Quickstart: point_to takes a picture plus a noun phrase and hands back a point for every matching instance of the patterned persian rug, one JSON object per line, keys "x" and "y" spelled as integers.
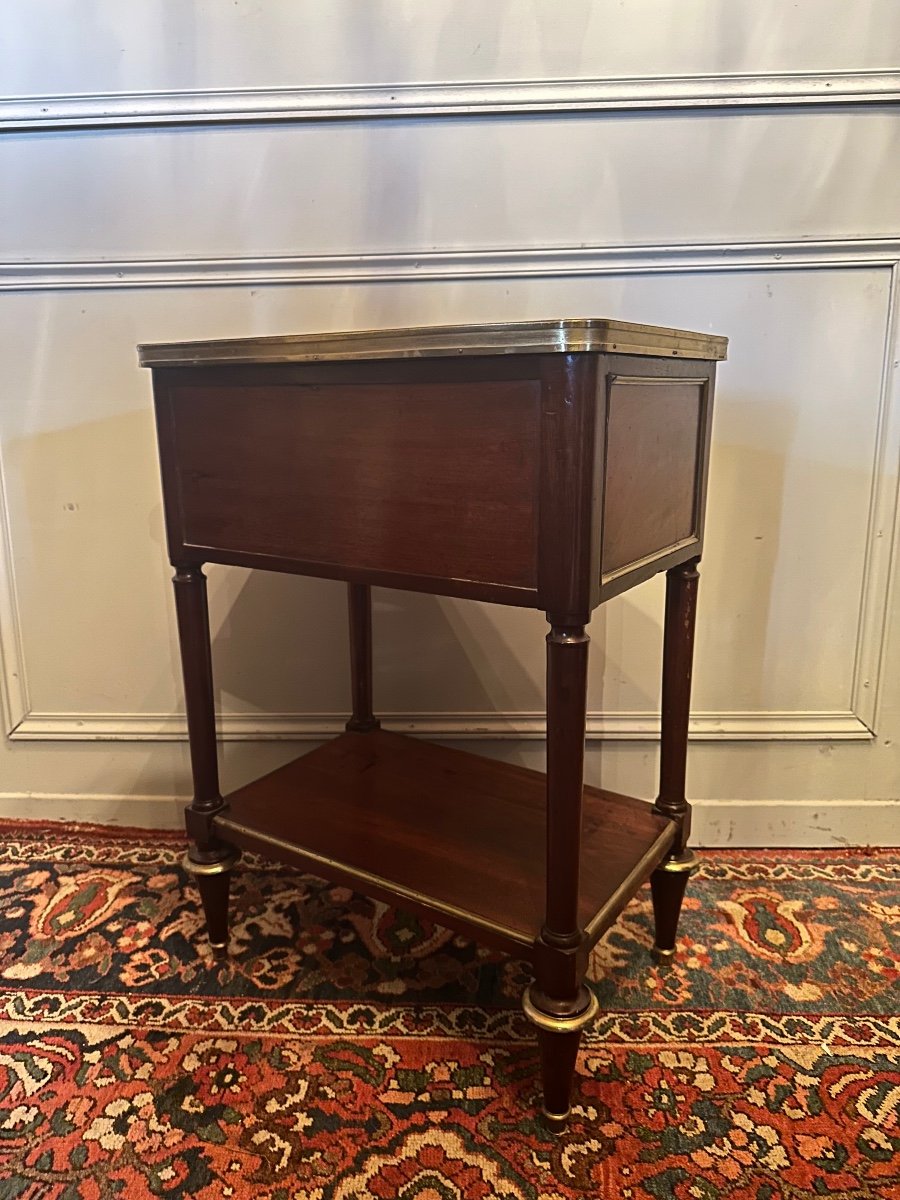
{"x": 349, "y": 1050}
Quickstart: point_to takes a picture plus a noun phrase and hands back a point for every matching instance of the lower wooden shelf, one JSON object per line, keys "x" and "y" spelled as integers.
{"x": 454, "y": 836}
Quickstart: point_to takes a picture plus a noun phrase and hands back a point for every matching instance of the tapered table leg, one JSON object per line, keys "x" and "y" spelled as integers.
{"x": 669, "y": 881}
{"x": 668, "y": 884}
{"x": 558, "y": 1003}
{"x": 209, "y": 859}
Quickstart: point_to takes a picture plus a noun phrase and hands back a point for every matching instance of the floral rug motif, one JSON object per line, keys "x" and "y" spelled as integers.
{"x": 348, "y": 1050}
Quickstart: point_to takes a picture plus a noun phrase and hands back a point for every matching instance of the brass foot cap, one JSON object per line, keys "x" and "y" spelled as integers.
{"x": 219, "y": 949}
{"x": 555, "y": 1122}
{"x": 663, "y": 957}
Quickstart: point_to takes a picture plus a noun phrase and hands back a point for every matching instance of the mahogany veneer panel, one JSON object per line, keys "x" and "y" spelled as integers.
{"x": 452, "y": 832}
{"x": 654, "y": 438}
{"x": 418, "y": 479}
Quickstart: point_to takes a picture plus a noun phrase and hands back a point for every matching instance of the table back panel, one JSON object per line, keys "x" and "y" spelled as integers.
{"x": 419, "y": 479}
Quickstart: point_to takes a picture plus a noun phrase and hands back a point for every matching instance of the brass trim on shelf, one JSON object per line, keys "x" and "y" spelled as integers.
{"x": 553, "y": 1024}
{"x": 219, "y": 867}
{"x": 626, "y": 890}
{"x": 360, "y": 875}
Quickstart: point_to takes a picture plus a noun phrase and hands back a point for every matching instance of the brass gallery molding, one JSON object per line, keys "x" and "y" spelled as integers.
{"x": 241, "y": 106}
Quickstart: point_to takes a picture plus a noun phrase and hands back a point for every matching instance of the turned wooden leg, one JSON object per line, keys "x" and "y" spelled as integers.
{"x": 558, "y": 1002}
{"x": 359, "y": 602}
{"x": 669, "y": 881}
{"x": 209, "y": 859}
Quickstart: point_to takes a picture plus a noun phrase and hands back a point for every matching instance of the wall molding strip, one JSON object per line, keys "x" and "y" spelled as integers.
{"x": 241, "y": 106}
{"x": 883, "y": 527}
{"x": 300, "y": 727}
{"x": 431, "y": 265}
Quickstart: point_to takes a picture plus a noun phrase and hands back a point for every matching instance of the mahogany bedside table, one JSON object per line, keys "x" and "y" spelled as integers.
{"x": 547, "y": 464}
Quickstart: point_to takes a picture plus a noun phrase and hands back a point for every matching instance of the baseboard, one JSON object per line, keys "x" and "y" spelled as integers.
{"x": 757, "y": 824}
{"x": 771, "y": 824}
{"x": 139, "y": 812}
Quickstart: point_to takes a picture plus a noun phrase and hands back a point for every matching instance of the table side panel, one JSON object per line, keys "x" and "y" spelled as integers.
{"x": 655, "y": 467}
{"x": 426, "y": 478}
{"x": 651, "y": 468}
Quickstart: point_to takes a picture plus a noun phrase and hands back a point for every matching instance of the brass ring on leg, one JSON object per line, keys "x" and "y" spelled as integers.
{"x": 211, "y": 868}
{"x": 572, "y": 1024}
{"x": 687, "y": 860}
{"x": 556, "y": 1122}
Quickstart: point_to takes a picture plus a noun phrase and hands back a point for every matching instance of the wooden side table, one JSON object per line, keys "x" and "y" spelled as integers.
{"x": 548, "y": 465}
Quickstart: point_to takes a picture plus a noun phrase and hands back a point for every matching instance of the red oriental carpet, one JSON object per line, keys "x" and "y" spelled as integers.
{"x": 349, "y": 1050}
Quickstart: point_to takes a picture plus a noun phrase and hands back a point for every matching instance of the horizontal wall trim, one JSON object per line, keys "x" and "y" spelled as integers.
{"x": 291, "y": 727}
{"x": 731, "y": 823}
{"x": 408, "y": 266}
{"x": 241, "y": 106}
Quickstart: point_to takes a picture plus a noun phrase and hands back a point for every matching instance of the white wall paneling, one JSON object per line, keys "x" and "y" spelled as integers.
{"x": 452, "y": 185}
{"x": 174, "y": 172}
{"x": 807, "y": 315}
{"x": 54, "y": 47}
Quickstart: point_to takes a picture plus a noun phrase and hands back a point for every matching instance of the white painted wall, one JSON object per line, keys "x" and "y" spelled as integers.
{"x": 173, "y": 171}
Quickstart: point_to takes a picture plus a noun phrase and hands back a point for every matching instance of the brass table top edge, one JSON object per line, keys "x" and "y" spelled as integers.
{"x": 564, "y": 336}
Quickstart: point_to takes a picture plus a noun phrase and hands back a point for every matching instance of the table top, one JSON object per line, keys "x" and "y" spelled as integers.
{"x": 564, "y": 336}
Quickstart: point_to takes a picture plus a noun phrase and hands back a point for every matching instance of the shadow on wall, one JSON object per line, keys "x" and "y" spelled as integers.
{"x": 742, "y": 541}
{"x": 281, "y": 646}
{"x": 430, "y": 656}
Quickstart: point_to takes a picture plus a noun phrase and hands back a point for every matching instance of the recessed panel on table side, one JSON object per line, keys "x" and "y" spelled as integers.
{"x": 654, "y": 467}
{"x": 422, "y": 479}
